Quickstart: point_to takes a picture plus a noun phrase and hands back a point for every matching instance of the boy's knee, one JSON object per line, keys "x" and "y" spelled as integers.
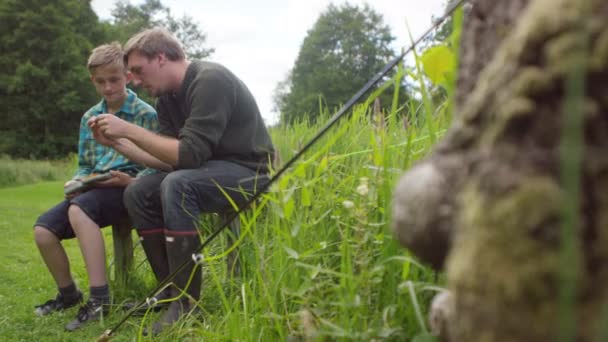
{"x": 74, "y": 213}
{"x": 44, "y": 237}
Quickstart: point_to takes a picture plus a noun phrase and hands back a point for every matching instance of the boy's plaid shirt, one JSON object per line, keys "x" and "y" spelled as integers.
{"x": 96, "y": 158}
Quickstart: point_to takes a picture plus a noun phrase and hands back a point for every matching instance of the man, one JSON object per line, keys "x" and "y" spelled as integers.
{"x": 212, "y": 142}
{"x": 81, "y": 215}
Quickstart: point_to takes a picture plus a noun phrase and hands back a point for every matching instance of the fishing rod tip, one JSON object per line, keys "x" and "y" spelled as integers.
{"x": 106, "y": 336}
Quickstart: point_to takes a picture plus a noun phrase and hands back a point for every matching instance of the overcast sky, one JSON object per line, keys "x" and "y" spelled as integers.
{"x": 260, "y": 40}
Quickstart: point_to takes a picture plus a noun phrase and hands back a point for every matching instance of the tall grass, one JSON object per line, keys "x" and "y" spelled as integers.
{"x": 14, "y": 172}
{"x": 318, "y": 258}
{"x": 571, "y": 150}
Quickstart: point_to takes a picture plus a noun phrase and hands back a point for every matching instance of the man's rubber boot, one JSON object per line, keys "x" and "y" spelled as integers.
{"x": 180, "y": 249}
{"x": 153, "y": 243}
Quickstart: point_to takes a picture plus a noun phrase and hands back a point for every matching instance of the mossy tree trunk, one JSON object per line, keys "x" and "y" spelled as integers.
{"x": 488, "y": 204}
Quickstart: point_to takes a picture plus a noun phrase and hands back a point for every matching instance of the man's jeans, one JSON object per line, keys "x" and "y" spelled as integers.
{"x": 174, "y": 200}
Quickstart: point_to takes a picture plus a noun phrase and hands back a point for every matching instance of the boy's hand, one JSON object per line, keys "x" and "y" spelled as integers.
{"x": 111, "y": 126}
{"x": 119, "y": 179}
{"x": 72, "y": 195}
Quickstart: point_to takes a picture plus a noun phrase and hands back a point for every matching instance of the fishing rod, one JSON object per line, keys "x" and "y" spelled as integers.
{"x": 199, "y": 258}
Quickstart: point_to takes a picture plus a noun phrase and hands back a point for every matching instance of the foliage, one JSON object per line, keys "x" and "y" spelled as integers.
{"x": 44, "y": 85}
{"x": 438, "y": 62}
{"x": 344, "y": 49}
{"x": 441, "y": 33}
{"x": 129, "y": 19}
{"x": 319, "y": 262}
{"x": 445, "y": 30}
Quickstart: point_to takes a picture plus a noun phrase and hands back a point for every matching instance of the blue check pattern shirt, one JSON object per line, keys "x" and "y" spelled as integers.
{"x": 93, "y": 157}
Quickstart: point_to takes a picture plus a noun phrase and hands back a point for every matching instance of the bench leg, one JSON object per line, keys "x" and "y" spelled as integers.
{"x": 123, "y": 251}
{"x": 233, "y": 262}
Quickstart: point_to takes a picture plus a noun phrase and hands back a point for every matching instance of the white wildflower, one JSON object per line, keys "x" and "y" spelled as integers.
{"x": 348, "y": 204}
{"x": 362, "y": 189}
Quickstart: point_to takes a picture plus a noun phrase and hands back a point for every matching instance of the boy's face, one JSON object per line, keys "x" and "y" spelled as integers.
{"x": 110, "y": 81}
{"x": 147, "y": 72}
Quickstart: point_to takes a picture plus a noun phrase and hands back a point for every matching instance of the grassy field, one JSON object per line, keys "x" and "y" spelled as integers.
{"x": 15, "y": 172}
{"x": 24, "y": 280}
{"x": 319, "y": 261}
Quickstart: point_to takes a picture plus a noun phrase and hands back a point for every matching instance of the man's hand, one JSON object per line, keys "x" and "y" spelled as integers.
{"x": 99, "y": 136}
{"x": 72, "y": 195}
{"x": 118, "y": 180}
{"x": 109, "y": 125}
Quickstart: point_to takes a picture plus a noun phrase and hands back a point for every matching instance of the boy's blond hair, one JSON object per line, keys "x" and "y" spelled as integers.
{"x": 106, "y": 54}
{"x": 153, "y": 41}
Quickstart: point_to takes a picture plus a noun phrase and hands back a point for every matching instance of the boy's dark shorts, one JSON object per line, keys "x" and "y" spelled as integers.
{"x": 102, "y": 205}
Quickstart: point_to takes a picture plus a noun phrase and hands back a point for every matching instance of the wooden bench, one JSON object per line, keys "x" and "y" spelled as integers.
{"x": 123, "y": 248}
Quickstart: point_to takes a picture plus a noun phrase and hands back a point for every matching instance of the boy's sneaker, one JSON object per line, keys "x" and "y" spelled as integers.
{"x": 92, "y": 310}
{"x": 60, "y": 303}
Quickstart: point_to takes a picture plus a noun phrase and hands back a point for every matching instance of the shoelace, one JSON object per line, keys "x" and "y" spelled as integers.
{"x": 88, "y": 308}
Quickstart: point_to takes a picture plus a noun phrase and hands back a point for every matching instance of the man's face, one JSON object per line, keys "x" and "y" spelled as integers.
{"x": 146, "y": 73}
{"x": 110, "y": 81}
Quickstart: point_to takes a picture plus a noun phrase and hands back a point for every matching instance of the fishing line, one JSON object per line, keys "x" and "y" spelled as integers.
{"x": 197, "y": 257}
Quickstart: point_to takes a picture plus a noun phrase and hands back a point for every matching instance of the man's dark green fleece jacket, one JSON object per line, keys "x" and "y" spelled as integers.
{"x": 215, "y": 117}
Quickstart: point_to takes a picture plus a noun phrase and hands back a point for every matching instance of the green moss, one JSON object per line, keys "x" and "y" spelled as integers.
{"x": 516, "y": 107}
{"x": 599, "y": 56}
{"x": 504, "y": 262}
{"x": 562, "y": 52}
{"x": 531, "y": 81}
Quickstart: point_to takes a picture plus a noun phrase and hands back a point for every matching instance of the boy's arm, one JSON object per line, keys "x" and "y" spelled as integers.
{"x": 160, "y": 151}
{"x": 125, "y": 147}
{"x": 85, "y": 154}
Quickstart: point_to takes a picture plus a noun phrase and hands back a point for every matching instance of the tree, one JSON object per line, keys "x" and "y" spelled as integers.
{"x": 444, "y": 30}
{"x": 44, "y": 83}
{"x": 129, "y": 19}
{"x": 512, "y": 203}
{"x": 346, "y": 46}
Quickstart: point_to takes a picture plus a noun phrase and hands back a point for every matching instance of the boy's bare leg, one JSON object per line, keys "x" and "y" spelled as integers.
{"x": 91, "y": 245}
{"x": 54, "y": 256}
{"x": 93, "y": 250}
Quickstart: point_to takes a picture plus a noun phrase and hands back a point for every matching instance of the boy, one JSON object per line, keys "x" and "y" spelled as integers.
{"x": 82, "y": 215}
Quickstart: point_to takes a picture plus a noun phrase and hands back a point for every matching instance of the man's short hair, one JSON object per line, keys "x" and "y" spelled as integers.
{"x": 106, "y": 54}
{"x": 154, "y": 41}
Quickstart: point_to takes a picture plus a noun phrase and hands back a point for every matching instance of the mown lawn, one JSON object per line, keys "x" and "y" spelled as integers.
{"x": 24, "y": 279}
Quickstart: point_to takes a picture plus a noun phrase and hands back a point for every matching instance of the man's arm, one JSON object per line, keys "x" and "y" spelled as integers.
{"x": 163, "y": 148}
{"x": 147, "y": 148}
{"x": 212, "y": 97}
{"x": 133, "y": 152}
